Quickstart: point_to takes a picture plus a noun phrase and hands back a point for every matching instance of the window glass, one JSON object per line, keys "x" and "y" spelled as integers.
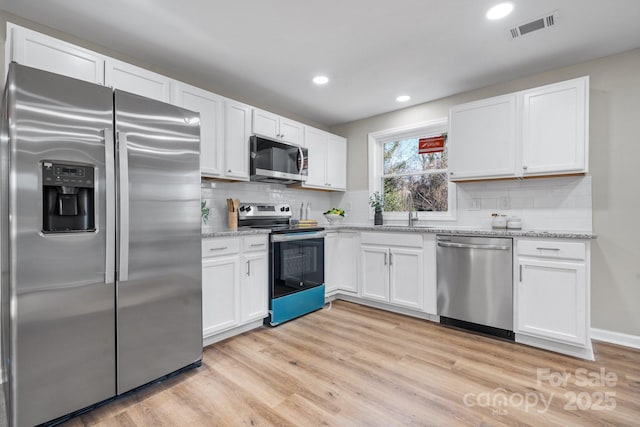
{"x": 414, "y": 181}
{"x": 402, "y": 156}
{"x": 428, "y": 193}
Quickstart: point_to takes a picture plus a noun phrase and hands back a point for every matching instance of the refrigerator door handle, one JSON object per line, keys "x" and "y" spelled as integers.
{"x": 123, "y": 197}
{"x": 110, "y": 211}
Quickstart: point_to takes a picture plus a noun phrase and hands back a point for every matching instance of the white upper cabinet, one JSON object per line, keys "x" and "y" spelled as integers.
{"x": 210, "y": 107}
{"x": 555, "y": 128}
{"x": 337, "y": 162}
{"x": 237, "y": 130}
{"x": 37, "y": 50}
{"x": 139, "y": 81}
{"x": 276, "y": 127}
{"x": 540, "y": 131}
{"x": 482, "y": 139}
{"x": 327, "y": 160}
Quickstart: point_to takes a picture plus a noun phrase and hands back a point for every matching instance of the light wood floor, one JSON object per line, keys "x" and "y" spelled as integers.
{"x": 357, "y": 366}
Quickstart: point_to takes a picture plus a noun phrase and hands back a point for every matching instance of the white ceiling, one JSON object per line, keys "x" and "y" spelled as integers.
{"x": 267, "y": 51}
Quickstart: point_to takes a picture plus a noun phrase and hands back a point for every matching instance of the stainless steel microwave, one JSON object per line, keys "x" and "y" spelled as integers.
{"x": 277, "y": 161}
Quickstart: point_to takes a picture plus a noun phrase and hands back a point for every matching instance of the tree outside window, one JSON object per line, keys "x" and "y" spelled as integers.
{"x": 414, "y": 181}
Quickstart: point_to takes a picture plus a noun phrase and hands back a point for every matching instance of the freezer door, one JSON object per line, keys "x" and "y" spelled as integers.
{"x": 159, "y": 308}
{"x": 58, "y": 293}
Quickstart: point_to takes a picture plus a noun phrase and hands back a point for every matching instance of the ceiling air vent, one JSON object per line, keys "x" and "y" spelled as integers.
{"x": 546, "y": 21}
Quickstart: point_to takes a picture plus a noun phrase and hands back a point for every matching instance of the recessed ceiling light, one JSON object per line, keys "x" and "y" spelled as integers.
{"x": 321, "y": 80}
{"x": 499, "y": 11}
{"x": 403, "y": 98}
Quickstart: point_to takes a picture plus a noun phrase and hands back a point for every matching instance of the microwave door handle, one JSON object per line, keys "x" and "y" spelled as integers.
{"x": 301, "y": 160}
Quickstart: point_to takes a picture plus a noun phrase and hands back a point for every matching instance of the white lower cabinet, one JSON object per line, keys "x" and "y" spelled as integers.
{"x": 340, "y": 261}
{"x": 220, "y": 294}
{"x": 392, "y": 268}
{"x": 375, "y": 272}
{"x": 234, "y": 284}
{"x": 254, "y": 288}
{"x": 552, "y": 295}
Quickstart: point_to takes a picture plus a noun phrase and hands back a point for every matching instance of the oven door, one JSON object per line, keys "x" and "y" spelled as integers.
{"x": 297, "y": 262}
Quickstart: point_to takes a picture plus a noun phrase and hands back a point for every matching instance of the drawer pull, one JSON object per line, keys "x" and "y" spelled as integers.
{"x": 219, "y": 249}
{"x": 548, "y": 249}
{"x": 257, "y": 244}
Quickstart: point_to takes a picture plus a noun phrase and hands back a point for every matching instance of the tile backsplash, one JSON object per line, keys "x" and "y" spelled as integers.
{"x": 554, "y": 204}
{"x": 259, "y": 192}
{"x": 559, "y": 203}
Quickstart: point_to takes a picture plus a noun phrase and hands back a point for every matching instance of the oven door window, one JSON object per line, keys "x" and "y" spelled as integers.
{"x": 297, "y": 265}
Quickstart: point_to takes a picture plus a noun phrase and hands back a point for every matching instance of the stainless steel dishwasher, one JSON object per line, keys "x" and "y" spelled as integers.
{"x": 475, "y": 283}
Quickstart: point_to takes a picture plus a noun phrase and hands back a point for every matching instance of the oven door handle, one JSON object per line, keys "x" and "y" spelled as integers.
{"x": 291, "y": 237}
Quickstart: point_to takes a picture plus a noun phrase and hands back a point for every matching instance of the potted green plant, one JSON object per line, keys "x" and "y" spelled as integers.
{"x": 204, "y": 211}
{"x": 377, "y": 203}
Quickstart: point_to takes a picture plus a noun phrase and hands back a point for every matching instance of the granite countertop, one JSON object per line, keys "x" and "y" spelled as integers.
{"x": 225, "y": 232}
{"x": 468, "y": 231}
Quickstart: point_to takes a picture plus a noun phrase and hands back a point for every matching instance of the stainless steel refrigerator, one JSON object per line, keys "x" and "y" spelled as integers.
{"x": 100, "y": 243}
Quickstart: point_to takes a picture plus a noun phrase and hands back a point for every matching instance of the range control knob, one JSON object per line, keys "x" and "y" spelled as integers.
{"x": 247, "y": 208}
{"x": 287, "y": 209}
{"x": 282, "y": 209}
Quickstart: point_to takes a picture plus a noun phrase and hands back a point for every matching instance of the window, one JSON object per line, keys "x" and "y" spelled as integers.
{"x": 410, "y": 180}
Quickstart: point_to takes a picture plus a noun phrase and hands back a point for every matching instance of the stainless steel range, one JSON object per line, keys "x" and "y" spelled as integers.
{"x": 296, "y": 260}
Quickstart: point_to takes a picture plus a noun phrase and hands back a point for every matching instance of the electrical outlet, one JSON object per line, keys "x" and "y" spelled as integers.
{"x": 505, "y": 203}
{"x": 476, "y": 204}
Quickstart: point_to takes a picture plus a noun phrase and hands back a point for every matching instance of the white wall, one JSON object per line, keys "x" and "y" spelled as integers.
{"x": 614, "y": 153}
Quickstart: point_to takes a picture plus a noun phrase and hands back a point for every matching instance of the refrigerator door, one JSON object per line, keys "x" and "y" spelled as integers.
{"x": 159, "y": 308}
{"x": 58, "y": 291}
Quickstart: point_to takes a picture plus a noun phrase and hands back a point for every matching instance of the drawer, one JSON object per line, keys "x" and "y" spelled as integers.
{"x": 392, "y": 239}
{"x": 255, "y": 243}
{"x": 220, "y": 246}
{"x": 552, "y": 249}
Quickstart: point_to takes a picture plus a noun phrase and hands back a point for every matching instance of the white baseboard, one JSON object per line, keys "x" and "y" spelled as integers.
{"x": 211, "y": 339}
{"x": 619, "y": 338}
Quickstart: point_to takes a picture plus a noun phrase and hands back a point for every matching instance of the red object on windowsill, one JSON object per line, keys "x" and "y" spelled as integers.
{"x": 434, "y": 144}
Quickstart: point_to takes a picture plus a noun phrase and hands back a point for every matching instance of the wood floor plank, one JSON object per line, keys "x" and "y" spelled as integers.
{"x": 354, "y": 365}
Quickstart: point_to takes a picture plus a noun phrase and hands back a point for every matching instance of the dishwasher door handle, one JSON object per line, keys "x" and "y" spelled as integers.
{"x": 474, "y": 246}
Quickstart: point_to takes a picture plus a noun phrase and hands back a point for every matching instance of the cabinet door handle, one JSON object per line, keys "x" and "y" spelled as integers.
{"x": 218, "y": 249}
{"x": 524, "y": 167}
{"x": 390, "y": 259}
{"x": 248, "y": 268}
{"x": 520, "y": 273}
{"x": 385, "y": 259}
{"x": 548, "y": 249}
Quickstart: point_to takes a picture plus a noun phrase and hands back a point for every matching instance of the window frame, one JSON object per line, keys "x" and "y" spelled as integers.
{"x": 376, "y": 155}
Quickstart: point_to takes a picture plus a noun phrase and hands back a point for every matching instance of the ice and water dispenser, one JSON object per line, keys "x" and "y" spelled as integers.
{"x": 67, "y": 198}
